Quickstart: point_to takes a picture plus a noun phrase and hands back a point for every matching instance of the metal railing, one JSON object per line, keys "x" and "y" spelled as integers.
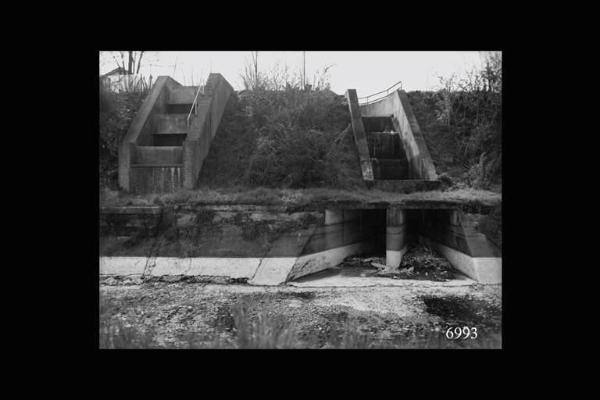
{"x": 386, "y": 91}
{"x": 194, "y": 108}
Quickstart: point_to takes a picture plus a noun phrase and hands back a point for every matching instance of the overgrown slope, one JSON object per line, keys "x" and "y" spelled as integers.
{"x": 463, "y": 133}
{"x": 286, "y": 139}
{"x": 116, "y": 112}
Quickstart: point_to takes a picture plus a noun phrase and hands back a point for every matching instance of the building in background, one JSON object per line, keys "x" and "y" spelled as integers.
{"x": 120, "y": 80}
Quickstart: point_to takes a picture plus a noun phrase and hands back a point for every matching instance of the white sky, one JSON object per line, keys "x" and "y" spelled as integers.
{"x": 366, "y": 71}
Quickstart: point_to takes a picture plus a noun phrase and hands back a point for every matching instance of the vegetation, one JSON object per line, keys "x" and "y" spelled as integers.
{"x": 116, "y": 111}
{"x": 284, "y": 134}
{"x": 462, "y": 124}
{"x": 288, "y": 138}
{"x": 296, "y": 197}
{"x": 265, "y": 331}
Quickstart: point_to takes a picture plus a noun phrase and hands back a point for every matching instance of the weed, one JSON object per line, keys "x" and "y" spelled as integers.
{"x": 263, "y": 332}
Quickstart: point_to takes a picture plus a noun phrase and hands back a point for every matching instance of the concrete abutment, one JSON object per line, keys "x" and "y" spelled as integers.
{"x": 231, "y": 240}
{"x": 395, "y": 237}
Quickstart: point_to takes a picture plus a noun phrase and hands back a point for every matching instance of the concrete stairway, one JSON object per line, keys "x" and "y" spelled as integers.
{"x": 163, "y": 151}
{"x": 392, "y": 152}
{"x": 385, "y": 149}
{"x": 171, "y": 128}
{"x": 158, "y": 165}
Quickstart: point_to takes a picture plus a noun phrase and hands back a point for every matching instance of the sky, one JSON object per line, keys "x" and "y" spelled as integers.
{"x": 366, "y": 71}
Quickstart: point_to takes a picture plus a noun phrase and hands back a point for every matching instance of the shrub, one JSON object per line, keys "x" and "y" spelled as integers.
{"x": 472, "y": 110}
{"x": 264, "y": 332}
{"x": 296, "y": 134}
{"x": 287, "y": 138}
{"x": 462, "y": 125}
{"x": 116, "y": 111}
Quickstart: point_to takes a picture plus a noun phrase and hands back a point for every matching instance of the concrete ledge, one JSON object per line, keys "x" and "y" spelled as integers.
{"x": 268, "y": 271}
{"x": 273, "y": 271}
{"x": 481, "y": 269}
{"x": 231, "y": 267}
{"x": 122, "y": 265}
{"x": 165, "y": 266}
{"x": 311, "y": 263}
{"x": 371, "y": 281}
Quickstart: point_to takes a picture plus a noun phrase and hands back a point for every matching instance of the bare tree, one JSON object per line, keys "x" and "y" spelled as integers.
{"x": 255, "y": 62}
{"x": 134, "y": 61}
{"x": 139, "y": 62}
{"x": 250, "y": 76}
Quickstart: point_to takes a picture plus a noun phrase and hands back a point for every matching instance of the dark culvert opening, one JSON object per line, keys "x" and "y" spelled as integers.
{"x": 419, "y": 262}
{"x": 375, "y": 221}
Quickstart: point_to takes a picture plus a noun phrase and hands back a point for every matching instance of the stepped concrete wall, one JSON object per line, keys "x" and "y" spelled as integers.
{"x": 204, "y": 127}
{"x": 170, "y": 177}
{"x": 398, "y": 106}
{"x": 142, "y": 126}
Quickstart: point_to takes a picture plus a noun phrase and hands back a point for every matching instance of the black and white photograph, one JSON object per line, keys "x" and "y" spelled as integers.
{"x": 322, "y": 200}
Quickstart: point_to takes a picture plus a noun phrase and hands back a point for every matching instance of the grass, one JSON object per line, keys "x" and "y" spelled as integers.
{"x": 296, "y": 197}
{"x": 265, "y": 331}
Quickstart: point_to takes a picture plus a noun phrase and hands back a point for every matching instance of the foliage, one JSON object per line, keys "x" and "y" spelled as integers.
{"x": 471, "y": 108}
{"x": 280, "y": 134}
{"x": 116, "y": 111}
{"x": 289, "y": 138}
{"x": 281, "y": 77}
{"x": 133, "y": 63}
{"x": 264, "y": 331}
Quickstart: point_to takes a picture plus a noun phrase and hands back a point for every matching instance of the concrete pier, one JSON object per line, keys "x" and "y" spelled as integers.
{"x": 395, "y": 237}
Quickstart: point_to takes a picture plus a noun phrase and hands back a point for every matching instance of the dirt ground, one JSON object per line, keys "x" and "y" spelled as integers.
{"x": 201, "y": 315}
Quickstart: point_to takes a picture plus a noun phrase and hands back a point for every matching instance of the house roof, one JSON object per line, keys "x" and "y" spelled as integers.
{"x": 116, "y": 71}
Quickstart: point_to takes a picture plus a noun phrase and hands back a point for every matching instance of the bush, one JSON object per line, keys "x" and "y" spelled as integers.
{"x": 116, "y": 111}
{"x": 296, "y": 133}
{"x": 462, "y": 125}
{"x": 472, "y": 110}
{"x": 287, "y": 138}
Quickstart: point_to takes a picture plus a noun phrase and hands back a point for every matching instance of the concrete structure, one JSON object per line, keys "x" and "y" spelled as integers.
{"x": 454, "y": 234}
{"x": 164, "y": 151}
{"x": 360, "y": 136}
{"x": 266, "y": 247}
{"x": 392, "y": 151}
{"x": 393, "y": 156}
{"x": 170, "y": 135}
{"x": 271, "y": 246}
{"x": 395, "y": 237}
{"x": 397, "y": 107}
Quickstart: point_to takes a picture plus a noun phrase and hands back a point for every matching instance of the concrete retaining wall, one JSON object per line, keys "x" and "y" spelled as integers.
{"x": 127, "y": 221}
{"x": 454, "y": 234}
{"x": 204, "y": 127}
{"x": 486, "y": 270}
{"x": 271, "y": 247}
{"x": 266, "y": 247}
{"x": 360, "y": 136}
